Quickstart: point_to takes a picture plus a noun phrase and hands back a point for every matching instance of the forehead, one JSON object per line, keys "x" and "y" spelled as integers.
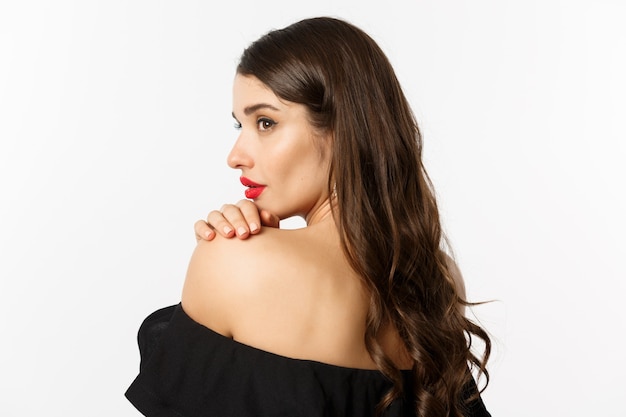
{"x": 250, "y": 91}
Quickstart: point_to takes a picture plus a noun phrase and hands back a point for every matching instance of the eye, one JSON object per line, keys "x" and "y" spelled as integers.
{"x": 237, "y": 125}
{"x": 265, "y": 124}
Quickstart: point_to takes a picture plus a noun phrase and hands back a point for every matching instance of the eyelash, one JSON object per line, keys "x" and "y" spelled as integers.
{"x": 260, "y": 122}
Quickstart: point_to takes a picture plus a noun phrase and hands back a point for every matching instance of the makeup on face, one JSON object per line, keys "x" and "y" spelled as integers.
{"x": 277, "y": 151}
{"x": 254, "y": 190}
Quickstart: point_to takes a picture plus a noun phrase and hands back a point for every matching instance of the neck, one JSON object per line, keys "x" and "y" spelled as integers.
{"x": 321, "y": 213}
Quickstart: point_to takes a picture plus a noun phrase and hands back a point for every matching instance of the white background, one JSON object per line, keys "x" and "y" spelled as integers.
{"x": 114, "y": 128}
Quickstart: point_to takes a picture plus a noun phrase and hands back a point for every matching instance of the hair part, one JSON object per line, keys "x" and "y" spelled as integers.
{"x": 387, "y": 214}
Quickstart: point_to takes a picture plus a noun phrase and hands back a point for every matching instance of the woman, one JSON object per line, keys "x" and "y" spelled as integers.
{"x": 359, "y": 313}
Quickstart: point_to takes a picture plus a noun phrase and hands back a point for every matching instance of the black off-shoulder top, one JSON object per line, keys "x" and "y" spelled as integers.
{"x": 188, "y": 370}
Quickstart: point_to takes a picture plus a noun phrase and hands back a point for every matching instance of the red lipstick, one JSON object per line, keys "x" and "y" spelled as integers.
{"x": 254, "y": 190}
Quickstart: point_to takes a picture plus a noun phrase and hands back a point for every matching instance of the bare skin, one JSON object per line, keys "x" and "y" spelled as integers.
{"x": 244, "y": 217}
{"x": 312, "y": 310}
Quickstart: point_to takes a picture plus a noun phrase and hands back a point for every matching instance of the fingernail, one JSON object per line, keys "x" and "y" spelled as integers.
{"x": 254, "y": 227}
{"x": 241, "y": 231}
{"x": 207, "y": 233}
{"x": 227, "y": 230}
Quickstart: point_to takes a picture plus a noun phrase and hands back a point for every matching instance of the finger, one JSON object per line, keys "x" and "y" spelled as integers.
{"x": 220, "y": 224}
{"x": 268, "y": 219}
{"x": 250, "y": 213}
{"x": 203, "y": 231}
{"x": 233, "y": 215}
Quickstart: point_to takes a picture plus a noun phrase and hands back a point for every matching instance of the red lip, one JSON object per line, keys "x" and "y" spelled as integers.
{"x": 249, "y": 183}
{"x": 254, "y": 190}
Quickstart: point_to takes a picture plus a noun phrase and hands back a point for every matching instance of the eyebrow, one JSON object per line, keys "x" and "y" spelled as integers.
{"x": 251, "y": 109}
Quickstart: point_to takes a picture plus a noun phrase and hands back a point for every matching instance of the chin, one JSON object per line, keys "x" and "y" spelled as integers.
{"x": 277, "y": 206}
{"x": 272, "y": 208}
{"x": 280, "y": 212}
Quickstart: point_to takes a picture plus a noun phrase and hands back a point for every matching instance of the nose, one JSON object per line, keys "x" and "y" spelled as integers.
{"x": 238, "y": 156}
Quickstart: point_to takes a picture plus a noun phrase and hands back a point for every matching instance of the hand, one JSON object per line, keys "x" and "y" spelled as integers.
{"x": 242, "y": 220}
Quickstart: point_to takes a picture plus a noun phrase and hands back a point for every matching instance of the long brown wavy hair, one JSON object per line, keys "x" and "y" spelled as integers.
{"x": 387, "y": 213}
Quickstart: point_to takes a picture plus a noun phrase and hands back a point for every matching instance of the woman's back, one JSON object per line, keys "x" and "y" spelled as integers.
{"x": 289, "y": 292}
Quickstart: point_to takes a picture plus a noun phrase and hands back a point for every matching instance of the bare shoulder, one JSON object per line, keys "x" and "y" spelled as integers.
{"x": 288, "y": 292}
{"x": 230, "y": 279}
{"x": 219, "y": 276}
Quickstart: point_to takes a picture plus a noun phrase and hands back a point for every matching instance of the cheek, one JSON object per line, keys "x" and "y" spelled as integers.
{"x": 303, "y": 164}
{"x": 291, "y": 159}
{"x": 296, "y": 160}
